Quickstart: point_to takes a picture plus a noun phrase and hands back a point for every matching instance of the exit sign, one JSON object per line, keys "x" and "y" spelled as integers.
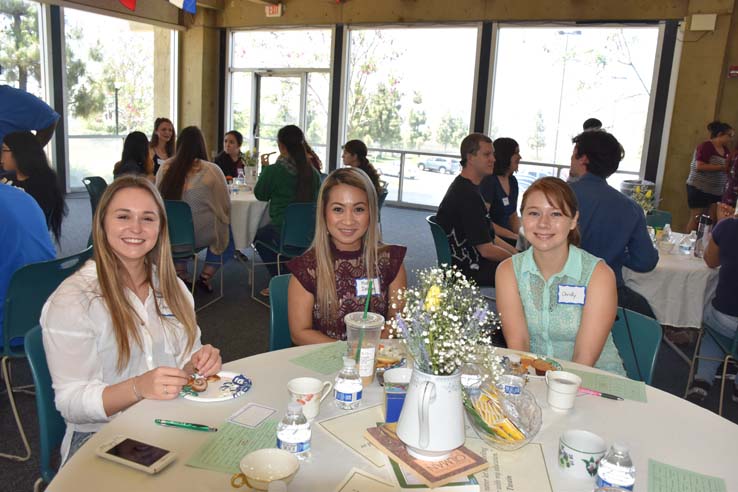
{"x": 273, "y": 10}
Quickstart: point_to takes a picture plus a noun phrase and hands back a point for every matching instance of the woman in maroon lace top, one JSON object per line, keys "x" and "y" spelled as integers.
{"x": 347, "y": 247}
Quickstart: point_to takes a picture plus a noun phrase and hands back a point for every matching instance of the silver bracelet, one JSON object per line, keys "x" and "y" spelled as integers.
{"x": 139, "y": 397}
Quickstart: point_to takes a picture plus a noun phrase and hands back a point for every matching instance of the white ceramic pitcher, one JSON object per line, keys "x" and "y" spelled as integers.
{"x": 432, "y": 419}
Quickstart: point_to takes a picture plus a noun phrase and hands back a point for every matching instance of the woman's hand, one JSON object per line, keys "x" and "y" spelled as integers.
{"x": 207, "y": 361}
{"x": 265, "y": 159}
{"x": 162, "y": 383}
{"x": 724, "y": 211}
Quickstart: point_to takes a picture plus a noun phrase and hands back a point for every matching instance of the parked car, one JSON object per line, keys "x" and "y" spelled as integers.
{"x": 392, "y": 168}
{"x": 443, "y": 165}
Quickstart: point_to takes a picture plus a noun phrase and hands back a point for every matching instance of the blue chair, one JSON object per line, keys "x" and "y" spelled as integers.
{"x": 728, "y": 345}
{"x": 182, "y": 239}
{"x": 638, "y": 339}
{"x": 279, "y": 326}
{"x": 28, "y": 290}
{"x": 443, "y": 250}
{"x": 96, "y": 186}
{"x": 658, "y": 218}
{"x": 51, "y": 425}
{"x": 296, "y": 237}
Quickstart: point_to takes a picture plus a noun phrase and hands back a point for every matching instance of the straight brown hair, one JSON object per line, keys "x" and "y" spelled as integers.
{"x": 561, "y": 196}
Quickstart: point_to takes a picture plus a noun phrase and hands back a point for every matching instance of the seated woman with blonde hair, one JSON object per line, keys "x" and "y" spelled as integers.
{"x": 347, "y": 247}
{"x": 556, "y": 299}
{"x": 122, "y": 328}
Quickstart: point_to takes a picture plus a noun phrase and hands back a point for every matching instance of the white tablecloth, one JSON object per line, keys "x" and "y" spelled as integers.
{"x": 678, "y": 289}
{"x": 667, "y": 429}
{"x": 246, "y": 215}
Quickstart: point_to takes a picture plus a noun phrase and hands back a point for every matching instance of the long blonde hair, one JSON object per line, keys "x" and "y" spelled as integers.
{"x": 111, "y": 274}
{"x": 325, "y": 273}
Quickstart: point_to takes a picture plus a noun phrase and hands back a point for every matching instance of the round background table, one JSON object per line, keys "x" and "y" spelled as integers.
{"x": 246, "y": 215}
{"x": 678, "y": 289}
{"x": 667, "y": 429}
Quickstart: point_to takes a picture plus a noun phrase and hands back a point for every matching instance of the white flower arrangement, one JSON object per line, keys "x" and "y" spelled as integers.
{"x": 445, "y": 322}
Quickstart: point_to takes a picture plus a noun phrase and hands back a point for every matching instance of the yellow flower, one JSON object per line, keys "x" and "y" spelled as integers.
{"x": 649, "y": 193}
{"x": 638, "y": 189}
{"x": 433, "y": 298}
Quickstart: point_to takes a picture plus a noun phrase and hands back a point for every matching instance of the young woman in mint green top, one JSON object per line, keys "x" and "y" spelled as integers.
{"x": 556, "y": 299}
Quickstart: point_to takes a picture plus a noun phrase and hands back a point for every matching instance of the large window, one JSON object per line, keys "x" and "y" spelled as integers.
{"x": 280, "y": 78}
{"x": 409, "y": 98}
{"x": 114, "y": 85}
{"x": 548, "y": 80}
{"x": 20, "y": 46}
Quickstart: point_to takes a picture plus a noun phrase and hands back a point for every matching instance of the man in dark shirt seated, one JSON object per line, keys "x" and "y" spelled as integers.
{"x": 463, "y": 215}
{"x": 613, "y": 226}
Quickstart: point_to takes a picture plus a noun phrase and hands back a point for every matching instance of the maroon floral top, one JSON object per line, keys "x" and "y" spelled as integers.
{"x": 348, "y": 267}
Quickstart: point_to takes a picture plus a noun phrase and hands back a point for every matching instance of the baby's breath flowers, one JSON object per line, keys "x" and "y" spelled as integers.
{"x": 444, "y": 320}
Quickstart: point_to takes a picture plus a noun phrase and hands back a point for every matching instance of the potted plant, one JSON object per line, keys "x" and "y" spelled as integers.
{"x": 250, "y": 166}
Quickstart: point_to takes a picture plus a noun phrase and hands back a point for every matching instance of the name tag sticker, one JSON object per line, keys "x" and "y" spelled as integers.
{"x": 572, "y": 294}
{"x": 505, "y": 201}
{"x": 362, "y": 287}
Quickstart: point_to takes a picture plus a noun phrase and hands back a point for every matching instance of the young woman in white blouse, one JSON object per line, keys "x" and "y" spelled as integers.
{"x": 122, "y": 328}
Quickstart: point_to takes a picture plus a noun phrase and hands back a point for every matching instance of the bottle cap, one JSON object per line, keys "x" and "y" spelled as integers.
{"x": 294, "y": 407}
{"x": 620, "y": 447}
{"x": 348, "y": 361}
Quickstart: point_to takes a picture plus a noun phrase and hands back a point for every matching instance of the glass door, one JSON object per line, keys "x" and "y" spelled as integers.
{"x": 280, "y": 101}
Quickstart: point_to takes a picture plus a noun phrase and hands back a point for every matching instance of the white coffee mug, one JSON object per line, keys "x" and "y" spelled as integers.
{"x": 562, "y": 389}
{"x": 580, "y": 453}
{"x": 309, "y": 392}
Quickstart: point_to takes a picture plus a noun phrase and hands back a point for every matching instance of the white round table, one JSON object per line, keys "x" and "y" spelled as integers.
{"x": 667, "y": 429}
{"x": 246, "y": 216}
{"x": 678, "y": 289}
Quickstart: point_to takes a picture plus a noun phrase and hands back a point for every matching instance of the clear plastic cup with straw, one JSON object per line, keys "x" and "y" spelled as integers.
{"x": 362, "y": 334}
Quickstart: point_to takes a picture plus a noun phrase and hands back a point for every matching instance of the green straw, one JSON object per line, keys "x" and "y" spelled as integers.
{"x": 361, "y": 331}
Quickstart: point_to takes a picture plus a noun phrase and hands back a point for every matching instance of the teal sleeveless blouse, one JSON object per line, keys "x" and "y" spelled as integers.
{"x": 552, "y": 326}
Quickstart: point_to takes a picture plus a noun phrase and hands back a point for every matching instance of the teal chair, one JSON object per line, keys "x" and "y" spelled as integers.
{"x": 28, "y": 290}
{"x": 95, "y": 187}
{"x": 658, "y": 218}
{"x": 182, "y": 239}
{"x": 728, "y": 345}
{"x": 638, "y": 339}
{"x": 279, "y": 326}
{"x": 296, "y": 237}
{"x": 51, "y": 425}
{"x": 443, "y": 250}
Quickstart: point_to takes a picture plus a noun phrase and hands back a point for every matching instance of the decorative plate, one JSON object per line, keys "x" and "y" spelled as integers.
{"x": 227, "y": 386}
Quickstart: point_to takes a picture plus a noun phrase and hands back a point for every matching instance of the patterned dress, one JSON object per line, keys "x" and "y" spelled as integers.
{"x": 348, "y": 266}
{"x": 553, "y": 326}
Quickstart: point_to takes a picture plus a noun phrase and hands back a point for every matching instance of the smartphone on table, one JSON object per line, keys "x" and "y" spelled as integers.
{"x": 136, "y": 454}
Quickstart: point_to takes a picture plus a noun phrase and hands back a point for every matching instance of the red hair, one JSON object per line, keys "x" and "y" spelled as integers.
{"x": 559, "y": 195}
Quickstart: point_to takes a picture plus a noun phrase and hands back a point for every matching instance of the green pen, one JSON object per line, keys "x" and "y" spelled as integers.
{"x": 185, "y": 425}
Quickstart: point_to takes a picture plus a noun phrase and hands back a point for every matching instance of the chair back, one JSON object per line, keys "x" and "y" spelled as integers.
{"x": 95, "y": 187}
{"x": 279, "y": 326}
{"x": 51, "y": 425}
{"x": 29, "y": 288}
{"x": 382, "y": 197}
{"x": 298, "y": 229}
{"x": 658, "y": 218}
{"x": 181, "y": 228}
{"x": 443, "y": 250}
{"x": 638, "y": 339}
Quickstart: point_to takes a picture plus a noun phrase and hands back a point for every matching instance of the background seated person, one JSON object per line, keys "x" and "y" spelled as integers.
{"x": 290, "y": 179}
{"x": 555, "y": 299}
{"x": 122, "y": 328}
{"x": 190, "y": 177}
{"x": 463, "y": 215}
{"x": 355, "y": 155}
{"x": 500, "y": 190}
{"x": 230, "y": 160}
{"x": 347, "y": 247}
{"x": 24, "y": 155}
{"x": 721, "y": 313}
{"x": 135, "y": 158}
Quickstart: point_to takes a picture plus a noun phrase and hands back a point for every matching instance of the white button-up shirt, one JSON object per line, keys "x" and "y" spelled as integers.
{"x": 82, "y": 352}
